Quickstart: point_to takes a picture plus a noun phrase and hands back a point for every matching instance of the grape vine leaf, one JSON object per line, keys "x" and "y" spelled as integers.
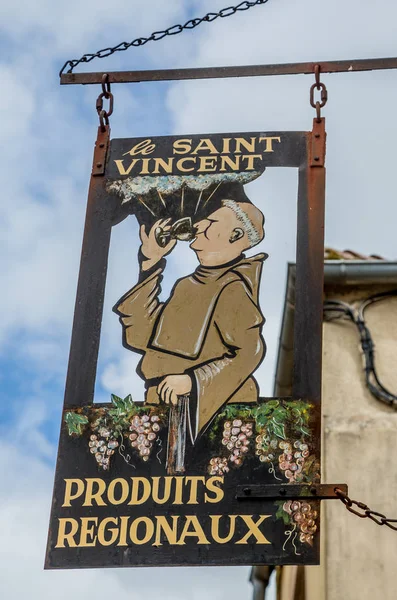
{"x": 280, "y": 414}
{"x": 278, "y": 429}
{"x": 123, "y": 406}
{"x": 282, "y": 514}
{"x": 75, "y": 423}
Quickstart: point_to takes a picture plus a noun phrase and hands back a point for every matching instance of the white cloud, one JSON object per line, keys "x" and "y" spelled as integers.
{"x": 47, "y": 141}
{"x": 73, "y": 26}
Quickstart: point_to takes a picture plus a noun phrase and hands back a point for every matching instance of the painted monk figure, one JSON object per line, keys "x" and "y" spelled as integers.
{"x": 205, "y": 341}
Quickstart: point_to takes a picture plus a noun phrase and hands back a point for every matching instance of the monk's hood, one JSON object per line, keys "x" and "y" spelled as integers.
{"x": 184, "y": 320}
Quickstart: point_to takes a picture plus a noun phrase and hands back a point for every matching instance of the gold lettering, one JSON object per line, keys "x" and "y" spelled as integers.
{"x": 193, "y": 488}
{"x": 167, "y": 489}
{"x": 226, "y": 146}
{"x": 122, "y": 170}
{"x": 144, "y": 147}
{"x": 249, "y": 146}
{"x": 269, "y": 142}
{"x": 253, "y": 529}
{"x": 182, "y": 161}
{"x": 148, "y": 531}
{"x": 207, "y": 163}
{"x": 166, "y": 165}
{"x": 207, "y": 145}
{"x": 250, "y": 160}
{"x": 124, "y": 491}
{"x": 211, "y": 485}
{"x": 170, "y": 532}
{"x": 145, "y": 166}
{"x": 68, "y": 490}
{"x": 178, "y": 490}
{"x": 136, "y": 481}
{"x": 67, "y": 537}
{"x": 215, "y": 521}
{"x": 90, "y": 495}
{"x": 196, "y": 532}
{"x": 228, "y": 160}
{"x": 86, "y": 532}
{"x": 123, "y": 531}
{"x": 182, "y": 146}
{"x": 113, "y": 531}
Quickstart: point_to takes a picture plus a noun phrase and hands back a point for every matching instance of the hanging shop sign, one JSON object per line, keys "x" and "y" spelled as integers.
{"x": 171, "y": 478}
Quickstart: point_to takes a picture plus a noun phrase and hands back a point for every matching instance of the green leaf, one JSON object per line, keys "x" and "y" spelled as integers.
{"x": 278, "y": 429}
{"x": 282, "y": 514}
{"x": 75, "y": 423}
{"x": 304, "y": 431}
{"x": 263, "y": 413}
{"x": 280, "y": 415}
{"x": 272, "y": 404}
{"x": 123, "y": 406}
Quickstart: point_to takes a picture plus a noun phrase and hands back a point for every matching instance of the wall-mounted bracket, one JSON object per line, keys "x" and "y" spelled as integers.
{"x": 319, "y": 491}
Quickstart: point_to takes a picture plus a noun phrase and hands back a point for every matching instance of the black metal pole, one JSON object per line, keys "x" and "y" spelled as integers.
{"x": 84, "y": 346}
{"x": 338, "y": 66}
{"x": 310, "y": 271}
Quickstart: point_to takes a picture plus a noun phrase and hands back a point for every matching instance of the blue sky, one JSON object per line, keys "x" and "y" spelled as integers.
{"x": 48, "y": 132}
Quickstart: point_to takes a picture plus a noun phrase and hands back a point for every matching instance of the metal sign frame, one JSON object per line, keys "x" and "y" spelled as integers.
{"x": 80, "y": 381}
{"x": 102, "y": 214}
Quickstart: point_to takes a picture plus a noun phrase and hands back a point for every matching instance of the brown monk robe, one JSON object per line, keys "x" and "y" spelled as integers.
{"x": 209, "y": 328}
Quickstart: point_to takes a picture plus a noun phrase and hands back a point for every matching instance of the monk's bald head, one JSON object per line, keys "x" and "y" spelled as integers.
{"x": 227, "y": 232}
{"x": 250, "y": 219}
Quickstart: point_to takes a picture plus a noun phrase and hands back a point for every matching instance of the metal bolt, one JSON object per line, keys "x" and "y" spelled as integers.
{"x": 99, "y": 165}
{"x": 247, "y": 491}
{"x": 316, "y": 135}
{"x": 282, "y": 492}
{"x": 316, "y": 158}
{"x": 313, "y": 491}
{"x": 103, "y": 145}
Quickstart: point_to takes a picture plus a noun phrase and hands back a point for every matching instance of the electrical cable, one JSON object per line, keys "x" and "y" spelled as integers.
{"x": 357, "y": 316}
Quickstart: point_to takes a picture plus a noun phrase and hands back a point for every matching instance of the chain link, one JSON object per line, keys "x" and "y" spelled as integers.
{"x": 107, "y": 94}
{"x": 318, "y": 85}
{"x": 159, "y": 35}
{"x": 365, "y": 512}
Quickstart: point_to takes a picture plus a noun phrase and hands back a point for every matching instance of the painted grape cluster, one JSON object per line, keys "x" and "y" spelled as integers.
{"x": 303, "y": 517}
{"x": 144, "y": 432}
{"x": 218, "y": 466}
{"x": 266, "y": 447}
{"x": 292, "y": 460}
{"x": 291, "y": 456}
{"x": 236, "y": 439}
{"x": 103, "y": 446}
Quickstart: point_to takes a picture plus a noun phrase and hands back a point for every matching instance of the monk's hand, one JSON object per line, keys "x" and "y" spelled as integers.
{"x": 150, "y": 249}
{"x": 173, "y": 386}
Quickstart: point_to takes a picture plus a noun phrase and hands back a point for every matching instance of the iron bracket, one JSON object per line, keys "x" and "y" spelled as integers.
{"x": 317, "y": 150}
{"x": 100, "y": 151}
{"x": 319, "y": 491}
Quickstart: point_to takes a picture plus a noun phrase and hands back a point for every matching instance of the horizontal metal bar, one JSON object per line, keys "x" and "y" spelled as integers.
{"x": 320, "y": 491}
{"x": 338, "y": 66}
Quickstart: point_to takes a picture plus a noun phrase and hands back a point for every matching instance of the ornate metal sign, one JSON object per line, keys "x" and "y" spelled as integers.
{"x": 169, "y": 478}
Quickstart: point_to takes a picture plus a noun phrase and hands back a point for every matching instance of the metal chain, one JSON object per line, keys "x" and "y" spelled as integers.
{"x": 107, "y": 94}
{"x": 318, "y": 85}
{"x": 366, "y": 512}
{"x": 159, "y": 35}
